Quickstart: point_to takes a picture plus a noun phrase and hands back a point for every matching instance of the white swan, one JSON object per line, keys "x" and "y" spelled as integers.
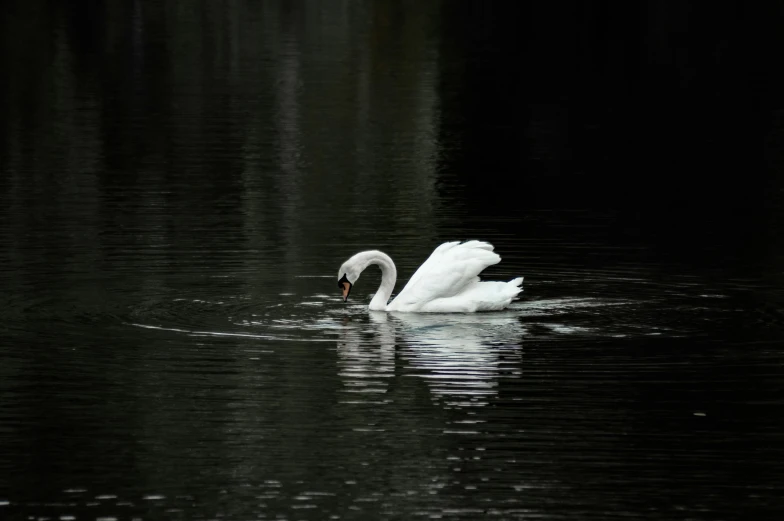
{"x": 448, "y": 281}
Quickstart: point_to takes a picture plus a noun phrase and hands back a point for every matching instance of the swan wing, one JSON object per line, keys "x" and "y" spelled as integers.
{"x": 449, "y": 270}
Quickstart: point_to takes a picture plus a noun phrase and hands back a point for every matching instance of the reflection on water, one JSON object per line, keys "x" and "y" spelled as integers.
{"x": 367, "y": 357}
{"x": 463, "y": 357}
{"x": 460, "y": 356}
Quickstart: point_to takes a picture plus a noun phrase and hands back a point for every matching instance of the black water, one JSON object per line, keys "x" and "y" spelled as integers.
{"x": 181, "y": 181}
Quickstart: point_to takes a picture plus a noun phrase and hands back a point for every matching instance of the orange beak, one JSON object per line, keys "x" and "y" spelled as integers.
{"x": 346, "y": 288}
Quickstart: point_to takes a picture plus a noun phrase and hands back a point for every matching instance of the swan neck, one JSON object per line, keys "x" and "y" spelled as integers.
{"x": 388, "y": 278}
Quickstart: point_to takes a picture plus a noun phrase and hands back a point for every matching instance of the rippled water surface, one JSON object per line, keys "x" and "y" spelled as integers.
{"x": 181, "y": 181}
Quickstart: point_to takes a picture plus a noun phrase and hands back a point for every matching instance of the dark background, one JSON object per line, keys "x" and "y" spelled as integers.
{"x": 180, "y": 180}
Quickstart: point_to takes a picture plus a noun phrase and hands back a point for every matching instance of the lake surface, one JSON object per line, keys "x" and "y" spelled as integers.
{"x": 181, "y": 181}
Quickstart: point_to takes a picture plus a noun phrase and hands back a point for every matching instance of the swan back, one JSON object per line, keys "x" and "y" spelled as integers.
{"x": 451, "y": 270}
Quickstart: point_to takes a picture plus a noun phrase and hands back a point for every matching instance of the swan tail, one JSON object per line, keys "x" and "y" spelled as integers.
{"x": 514, "y": 287}
{"x": 492, "y": 295}
{"x": 478, "y": 245}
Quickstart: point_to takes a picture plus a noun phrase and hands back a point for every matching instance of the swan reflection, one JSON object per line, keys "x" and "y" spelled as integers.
{"x": 461, "y": 357}
{"x": 366, "y": 355}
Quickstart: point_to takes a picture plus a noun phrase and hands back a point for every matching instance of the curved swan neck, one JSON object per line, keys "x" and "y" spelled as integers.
{"x": 388, "y": 277}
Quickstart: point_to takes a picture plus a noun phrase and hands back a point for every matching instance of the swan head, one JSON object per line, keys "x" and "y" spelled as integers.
{"x": 347, "y": 276}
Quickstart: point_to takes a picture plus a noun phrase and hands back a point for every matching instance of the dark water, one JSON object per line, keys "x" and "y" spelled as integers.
{"x": 180, "y": 182}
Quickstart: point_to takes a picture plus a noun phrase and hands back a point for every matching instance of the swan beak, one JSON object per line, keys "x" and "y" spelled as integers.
{"x": 346, "y": 288}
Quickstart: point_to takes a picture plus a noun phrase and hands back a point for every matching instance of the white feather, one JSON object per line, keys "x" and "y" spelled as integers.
{"x": 447, "y": 282}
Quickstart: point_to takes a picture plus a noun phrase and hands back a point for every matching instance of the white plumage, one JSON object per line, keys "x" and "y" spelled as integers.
{"x": 447, "y": 282}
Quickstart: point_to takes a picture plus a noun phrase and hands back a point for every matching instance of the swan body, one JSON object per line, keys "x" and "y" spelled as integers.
{"x": 447, "y": 282}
